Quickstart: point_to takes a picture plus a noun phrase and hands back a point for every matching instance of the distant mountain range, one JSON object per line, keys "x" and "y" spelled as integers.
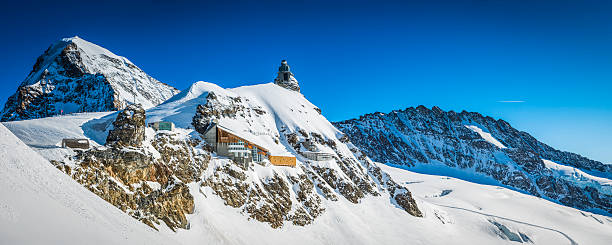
{"x": 474, "y": 147}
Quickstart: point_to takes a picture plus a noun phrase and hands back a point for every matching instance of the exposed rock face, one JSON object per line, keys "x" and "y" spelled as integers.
{"x": 420, "y": 136}
{"x": 267, "y": 200}
{"x": 129, "y": 127}
{"x": 149, "y": 183}
{"x": 74, "y": 75}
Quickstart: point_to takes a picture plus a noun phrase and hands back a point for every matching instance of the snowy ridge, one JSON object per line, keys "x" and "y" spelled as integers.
{"x": 74, "y": 75}
{"x": 180, "y": 108}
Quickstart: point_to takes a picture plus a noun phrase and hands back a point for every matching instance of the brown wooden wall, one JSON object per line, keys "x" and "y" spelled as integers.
{"x": 227, "y": 137}
{"x": 282, "y": 161}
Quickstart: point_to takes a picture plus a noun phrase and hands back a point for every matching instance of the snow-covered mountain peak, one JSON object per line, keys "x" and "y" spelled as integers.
{"x": 90, "y": 48}
{"x": 74, "y": 75}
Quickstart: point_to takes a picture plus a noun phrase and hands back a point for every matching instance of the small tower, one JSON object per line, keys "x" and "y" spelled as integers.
{"x": 285, "y": 78}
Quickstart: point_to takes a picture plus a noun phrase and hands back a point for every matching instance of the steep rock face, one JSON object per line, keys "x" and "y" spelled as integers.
{"x": 293, "y": 195}
{"x": 74, "y": 75}
{"x": 145, "y": 174}
{"x": 477, "y": 145}
{"x": 129, "y": 127}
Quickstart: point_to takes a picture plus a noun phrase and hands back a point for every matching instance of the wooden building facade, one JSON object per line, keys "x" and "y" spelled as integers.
{"x": 229, "y": 144}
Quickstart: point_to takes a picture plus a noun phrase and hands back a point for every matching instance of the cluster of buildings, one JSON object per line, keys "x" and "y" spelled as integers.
{"x": 226, "y": 142}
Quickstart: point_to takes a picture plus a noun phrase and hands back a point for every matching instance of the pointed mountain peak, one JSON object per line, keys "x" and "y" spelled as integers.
{"x": 88, "y": 48}
{"x": 75, "y": 75}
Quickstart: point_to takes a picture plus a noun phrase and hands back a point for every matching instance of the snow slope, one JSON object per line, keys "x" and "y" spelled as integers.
{"x": 41, "y": 205}
{"x": 486, "y": 136}
{"x": 45, "y": 134}
{"x": 180, "y": 108}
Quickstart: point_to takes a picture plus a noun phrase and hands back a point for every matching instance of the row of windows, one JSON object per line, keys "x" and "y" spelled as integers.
{"x": 237, "y": 148}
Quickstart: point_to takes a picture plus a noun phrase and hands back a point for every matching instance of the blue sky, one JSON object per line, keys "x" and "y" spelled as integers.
{"x": 356, "y": 57}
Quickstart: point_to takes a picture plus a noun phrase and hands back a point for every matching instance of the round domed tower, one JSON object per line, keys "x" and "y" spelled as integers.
{"x": 285, "y": 78}
{"x": 284, "y": 67}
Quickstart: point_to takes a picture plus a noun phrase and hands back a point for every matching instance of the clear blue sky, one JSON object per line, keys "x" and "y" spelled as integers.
{"x": 358, "y": 57}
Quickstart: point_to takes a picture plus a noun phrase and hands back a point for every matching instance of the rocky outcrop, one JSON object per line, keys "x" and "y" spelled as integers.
{"x": 285, "y": 78}
{"x": 421, "y": 136}
{"x": 291, "y": 84}
{"x": 268, "y": 200}
{"x": 74, "y": 75}
{"x": 149, "y": 183}
{"x": 128, "y": 128}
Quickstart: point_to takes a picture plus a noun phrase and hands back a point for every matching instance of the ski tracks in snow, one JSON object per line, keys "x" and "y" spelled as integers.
{"x": 572, "y": 242}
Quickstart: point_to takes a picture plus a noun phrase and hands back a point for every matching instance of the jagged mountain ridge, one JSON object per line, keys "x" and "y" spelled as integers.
{"x": 422, "y": 138}
{"x": 74, "y": 75}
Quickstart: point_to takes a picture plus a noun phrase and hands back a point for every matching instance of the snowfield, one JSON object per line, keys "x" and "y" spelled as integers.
{"x": 473, "y": 207}
{"x": 45, "y": 135}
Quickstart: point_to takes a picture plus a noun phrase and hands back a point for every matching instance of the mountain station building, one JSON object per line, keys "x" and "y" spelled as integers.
{"x": 226, "y": 142}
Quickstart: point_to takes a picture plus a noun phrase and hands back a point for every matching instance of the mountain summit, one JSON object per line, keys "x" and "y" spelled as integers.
{"x": 74, "y": 75}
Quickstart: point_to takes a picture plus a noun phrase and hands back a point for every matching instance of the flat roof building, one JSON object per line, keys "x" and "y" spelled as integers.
{"x": 162, "y": 126}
